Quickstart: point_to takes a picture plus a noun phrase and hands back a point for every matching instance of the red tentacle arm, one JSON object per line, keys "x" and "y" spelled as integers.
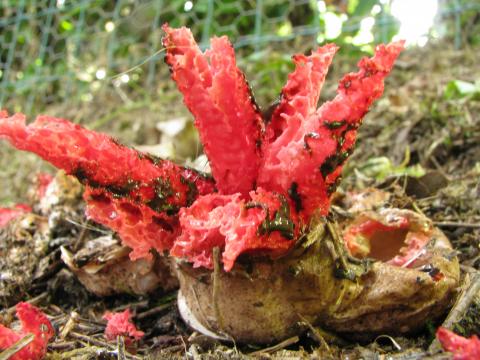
{"x": 132, "y": 193}
{"x": 299, "y": 97}
{"x": 306, "y": 161}
{"x": 217, "y": 94}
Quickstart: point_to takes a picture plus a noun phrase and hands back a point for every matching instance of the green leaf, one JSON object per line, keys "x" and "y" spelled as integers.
{"x": 352, "y": 5}
{"x": 457, "y": 89}
{"x": 381, "y": 167}
{"x": 66, "y": 25}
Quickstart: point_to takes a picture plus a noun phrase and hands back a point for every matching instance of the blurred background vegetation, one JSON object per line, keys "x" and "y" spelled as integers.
{"x": 52, "y": 51}
{"x": 100, "y": 62}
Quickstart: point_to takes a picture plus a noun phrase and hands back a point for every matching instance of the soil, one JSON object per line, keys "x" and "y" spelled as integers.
{"x": 416, "y": 142}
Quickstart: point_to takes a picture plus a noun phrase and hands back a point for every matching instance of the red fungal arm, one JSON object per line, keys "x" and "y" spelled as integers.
{"x": 305, "y": 161}
{"x": 356, "y": 93}
{"x": 134, "y": 194}
{"x": 299, "y": 97}
{"x": 34, "y": 322}
{"x": 264, "y": 224}
{"x": 217, "y": 94}
{"x": 462, "y": 348}
{"x": 120, "y": 324}
{"x": 99, "y": 161}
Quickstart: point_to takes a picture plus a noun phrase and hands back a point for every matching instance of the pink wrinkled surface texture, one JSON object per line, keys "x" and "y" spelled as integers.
{"x": 120, "y": 324}
{"x": 461, "y": 348}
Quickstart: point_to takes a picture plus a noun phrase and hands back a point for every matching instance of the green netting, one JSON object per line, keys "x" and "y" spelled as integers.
{"x": 54, "y": 50}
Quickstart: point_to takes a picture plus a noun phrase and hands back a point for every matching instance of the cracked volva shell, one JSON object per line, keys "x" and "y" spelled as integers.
{"x": 266, "y": 301}
{"x": 104, "y": 267}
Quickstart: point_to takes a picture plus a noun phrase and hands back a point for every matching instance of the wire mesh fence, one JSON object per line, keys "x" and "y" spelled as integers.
{"x": 56, "y": 50}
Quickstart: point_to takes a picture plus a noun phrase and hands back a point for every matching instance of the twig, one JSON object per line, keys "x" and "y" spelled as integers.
{"x": 152, "y": 311}
{"x": 88, "y": 227}
{"x": 121, "y": 348}
{"x": 147, "y": 59}
{"x": 61, "y": 345}
{"x": 416, "y": 356}
{"x": 89, "y": 327}
{"x": 185, "y": 351}
{"x": 139, "y": 304}
{"x": 316, "y": 333}
{"x": 100, "y": 343}
{"x": 417, "y": 209}
{"x": 91, "y": 340}
{"x": 69, "y": 326}
{"x": 464, "y": 301}
{"x": 457, "y": 224}
{"x": 460, "y": 307}
{"x": 174, "y": 348}
{"x": 33, "y": 301}
{"x": 57, "y": 309}
{"x": 392, "y": 340}
{"x": 90, "y": 321}
{"x": 332, "y": 228}
{"x": 19, "y": 345}
{"x": 279, "y": 346}
{"x": 81, "y": 238}
{"x": 85, "y": 352}
{"x": 192, "y": 350}
{"x": 440, "y": 169}
{"x": 216, "y": 277}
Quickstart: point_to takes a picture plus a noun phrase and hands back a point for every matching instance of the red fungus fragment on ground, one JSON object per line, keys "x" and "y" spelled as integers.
{"x": 34, "y": 322}
{"x": 264, "y": 224}
{"x": 217, "y": 94}
{"x": 8, "y": 214}
{"x": 133, "y": 193}
{"x": 309, "y": 153}
{"x": 120, "y": 324}
{"x": 462, "y": 348}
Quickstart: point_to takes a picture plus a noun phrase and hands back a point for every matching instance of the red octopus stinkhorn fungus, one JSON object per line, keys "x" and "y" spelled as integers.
{"x": 283, "y": 262}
